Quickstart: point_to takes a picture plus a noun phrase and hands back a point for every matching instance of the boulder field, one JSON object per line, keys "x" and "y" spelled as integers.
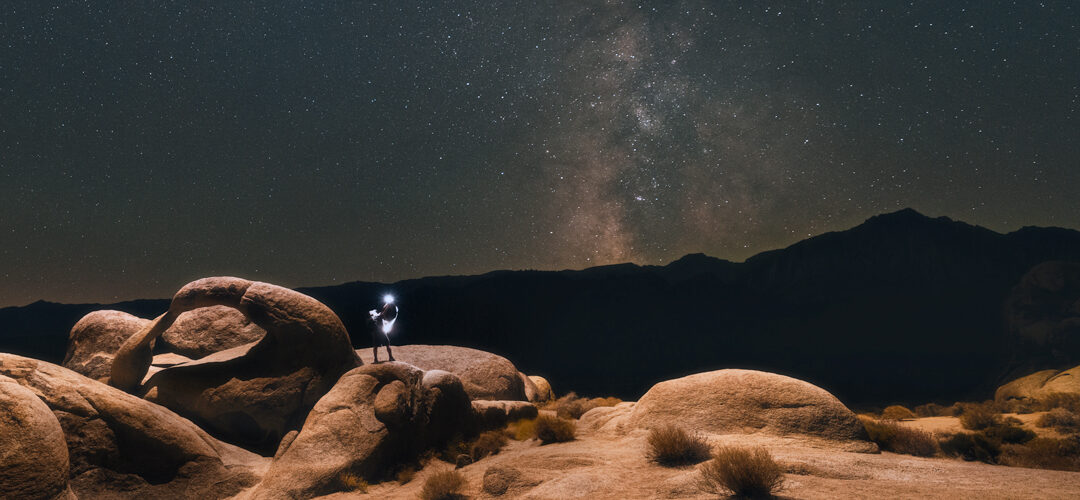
{"x": 254, "y": 391}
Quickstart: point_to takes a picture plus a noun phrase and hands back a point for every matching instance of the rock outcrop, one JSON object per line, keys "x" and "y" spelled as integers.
{"x": 496, "y": 414}
{"x": 376, "y": 417}
{"x": 255, "y": 393}
{"x": 120, "y": 446}
{"x": 543, "y": 389}
{"x": 94, "y": 340}
{"x": 1039, "y": 385}
{"x": 204, "y": 331}
{"x": 748, "y": 401}
{"x": 485, "y": 375}
{"x": 34, "y": 459}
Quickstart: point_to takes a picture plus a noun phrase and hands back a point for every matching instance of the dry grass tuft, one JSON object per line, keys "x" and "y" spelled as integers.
{"x": 444, "y": 485}
{"x": 742, "y": 472}
{"x": 671, "y": 445}
{"x": 554, "y": 429}
{"x": 978, "y": 416}
{"x": 897, "y": 412}
{"x": 891, "y": 436}
{"x": 970, "y": 447}
{"x": 1044, "y": 453}
{"x": 522, "y": 429}
{"x": 1061, "y": 420}
{"x": 573, "y": 406}
{"x": 488, "y": 443}
{"x": 352, "y": 482}
{"x": 405, "y": 475}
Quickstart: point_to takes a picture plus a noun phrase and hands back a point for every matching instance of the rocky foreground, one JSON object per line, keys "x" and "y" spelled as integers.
{"x": 249, "y": 390}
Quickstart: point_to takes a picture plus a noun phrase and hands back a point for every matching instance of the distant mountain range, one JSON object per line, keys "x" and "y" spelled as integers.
{"x": 902, "y": 308}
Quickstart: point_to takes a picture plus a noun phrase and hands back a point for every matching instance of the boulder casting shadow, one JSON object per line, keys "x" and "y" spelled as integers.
{"x": 252, "y": 394}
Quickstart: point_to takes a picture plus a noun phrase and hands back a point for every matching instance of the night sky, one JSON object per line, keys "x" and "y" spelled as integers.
{"x": 145, "y": 144}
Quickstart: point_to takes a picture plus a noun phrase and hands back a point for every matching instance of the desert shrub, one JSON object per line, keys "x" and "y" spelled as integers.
{"x": 522, "y": 429}
{"x": 1061, "y": 420}
{"x": 488, "y": 443}
{"x": 455, "y": 448}
{"x": 1008, "y": 433}
{"x": 896, "y": 412}
{"x": 1066, "y": 400}
{"x": 554, "y": 429}
{"x": 1044, "y": 453}
{"x": 970, "y": 447}
{"x": 671, "y": 445}
{"x": 352, "y": 482}
{"x": 573, "y": 406}
{"x": 891, "y": 436}
{"x": 978, "y": 417}
{"x": 444, "y": 485}
{"x": 929, "y": 410}
{"x": 742, "y": 472}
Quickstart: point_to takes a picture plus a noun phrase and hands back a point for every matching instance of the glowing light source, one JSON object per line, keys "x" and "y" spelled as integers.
{"x": 389, "y": 299}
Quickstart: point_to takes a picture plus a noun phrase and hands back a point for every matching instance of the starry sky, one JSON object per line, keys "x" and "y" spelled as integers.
{"x": 146, "y": 144}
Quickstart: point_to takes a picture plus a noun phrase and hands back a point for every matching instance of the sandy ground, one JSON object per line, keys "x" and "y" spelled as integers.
{"x": 608, "y": 465}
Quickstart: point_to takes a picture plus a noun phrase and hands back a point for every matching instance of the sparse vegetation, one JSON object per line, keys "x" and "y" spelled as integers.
{"x": 891, "y": 436}
{"x": 1044, "y": 453}
{"x": 554, "y": 429}
{"x": 970, "y": 447}
{"x": 522, "y": 429}
{"x": 405, "y": 475}
{"x": 444, "y": 485}
{"x": 455, "y": 449}
{"x": 1061, "y": 420}
{"x": 572, "y": 406}
{"x": 897, "y": 412}
{"x": 978, "y": 417}
{"x": 671, "y": 445}
{"x": 488, "y": 443}
{"x": 1068, "y": 401}
{"x": 352, "y": 482}
{"x": 742, "y": 472}
{"x": 1008, "y": 432}
{"x": 931, "y": 410}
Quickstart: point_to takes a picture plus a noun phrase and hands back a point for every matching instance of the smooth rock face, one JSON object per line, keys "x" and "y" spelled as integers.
{"x": 747, "y": 401}
{"x": 94, "y": 340}
{"x": 121, "y": 446}
{"x": 34, "y": 458}
{"x": 543, "y": 389}
{"x": 204, "y": 331}
{"x": 255, "y": 393}
{"x": 485, "y": 375}
{"x": 1041, "y": 384}
{"x": 377, "y": 416}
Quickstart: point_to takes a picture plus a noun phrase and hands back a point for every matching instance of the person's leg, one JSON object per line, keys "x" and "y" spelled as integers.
{"x": 375, "y": 344}
{"x": 388, "y": 352}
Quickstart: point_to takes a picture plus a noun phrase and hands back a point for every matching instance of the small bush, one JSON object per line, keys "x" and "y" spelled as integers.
{"x": 897, "y": 412}
{"x": 742, "y": 472}
{"x": 444, "y": 485}
{"x": 488, "y": 443}
{"x": 970, "y": 447}
{"x": 554, "y": 429}
{"x": 522, "y": 429}
{"x": 1067, "y": 400}
{"x": 573, "y": 406}
{"x": 455, "y": 448}
{"x": 1061, "y": 420}
{"x": 929, "y": 410}
{"x": 977, "y": 417}
{"x": 671, "y": 445}
{"x": 1008, "y": 434}
{"x": 891, "y": 436}
{"x": 1044, "y": 453}
{"x": 352, "y": 482}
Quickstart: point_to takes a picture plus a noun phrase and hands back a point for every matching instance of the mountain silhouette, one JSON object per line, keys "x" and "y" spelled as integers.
{"x": 902, "y": 308}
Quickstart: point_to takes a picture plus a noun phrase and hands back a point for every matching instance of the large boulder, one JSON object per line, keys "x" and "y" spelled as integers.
{"x": 120, "y": 446}
{"x": 34, "y": 460}
{"x": 204, "y": 331}
{"x": 375, "y": 418}
{"x": 1039, "y": 385}
{"x": 95, "y": 338}
{"x": 255, "y": 393}
{"x": 748, "y": 401}
{"x": 543, "y": 390}
{"x": 1043, "y": 313}
{"x": 485, "y": 375}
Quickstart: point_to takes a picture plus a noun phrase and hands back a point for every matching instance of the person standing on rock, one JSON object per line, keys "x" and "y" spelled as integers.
{"x": 382, "y": 323}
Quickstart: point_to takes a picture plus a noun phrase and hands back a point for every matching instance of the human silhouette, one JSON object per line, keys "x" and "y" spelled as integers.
{"x": 382, "y": 322}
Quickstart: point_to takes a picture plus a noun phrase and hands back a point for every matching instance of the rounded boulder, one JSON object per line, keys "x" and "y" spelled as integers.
{"x": 204, "y": 331}
{"x": 94, "y": 340}
{"x": 34, "y": 461}
{"x": 485, "y": 375}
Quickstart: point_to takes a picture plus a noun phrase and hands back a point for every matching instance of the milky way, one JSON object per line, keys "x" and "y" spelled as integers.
{"x": 306, "y": 143}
